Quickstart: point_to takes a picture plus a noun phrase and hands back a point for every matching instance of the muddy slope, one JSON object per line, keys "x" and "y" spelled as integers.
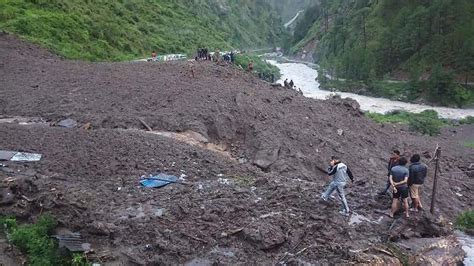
{"x": 251, "y": 208}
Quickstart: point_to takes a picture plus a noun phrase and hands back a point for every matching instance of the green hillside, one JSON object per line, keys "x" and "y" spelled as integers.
{"x": 125, "y": 29}
{"x": 367, "y": 40}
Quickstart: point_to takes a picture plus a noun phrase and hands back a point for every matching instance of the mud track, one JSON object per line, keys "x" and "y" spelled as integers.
{"x": 255, "y": 199}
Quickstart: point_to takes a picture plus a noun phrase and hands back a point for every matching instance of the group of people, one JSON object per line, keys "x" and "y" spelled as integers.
{"x": 203, "y": 54}
{"x": 291, "y": 85}
{"x": 404, "y": 182}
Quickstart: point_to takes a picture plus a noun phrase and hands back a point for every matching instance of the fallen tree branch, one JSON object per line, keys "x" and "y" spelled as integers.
{"x": 195, "y": 238}
{"x": 384, "y": 251}
{"x": 145, "y": 124}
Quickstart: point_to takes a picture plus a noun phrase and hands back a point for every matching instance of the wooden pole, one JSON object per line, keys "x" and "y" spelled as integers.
{"x": 435, "y": 180}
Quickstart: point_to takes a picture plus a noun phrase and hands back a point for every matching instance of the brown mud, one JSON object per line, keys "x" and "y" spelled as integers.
{"x": 251, "y": 156}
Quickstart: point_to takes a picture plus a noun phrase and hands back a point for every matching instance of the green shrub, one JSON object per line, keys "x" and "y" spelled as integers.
{"x": 33, "y": 239}
{"x": 465, "y": 221}
{"x": 259, "y": 66}
{"x": 426, "y": 122}
{"x": 469, "y": 144}
{"x": 467, "y": 121}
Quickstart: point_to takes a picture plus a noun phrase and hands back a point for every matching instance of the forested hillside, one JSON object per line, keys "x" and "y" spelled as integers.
{"x": 123, "y": 29}
{"x": 368, "y": 40}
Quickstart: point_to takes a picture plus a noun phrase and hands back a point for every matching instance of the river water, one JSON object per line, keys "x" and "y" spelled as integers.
{"x": 467, "y": 243}
{"x": 304, "y": 77}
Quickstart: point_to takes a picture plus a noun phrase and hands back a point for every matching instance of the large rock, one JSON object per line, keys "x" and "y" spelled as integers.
{"x": 264, "y": 236}
{"x": 266, "y": 157}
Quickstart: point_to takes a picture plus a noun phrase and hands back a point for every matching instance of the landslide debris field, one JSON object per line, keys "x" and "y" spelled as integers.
{"x": 250, "y": 156}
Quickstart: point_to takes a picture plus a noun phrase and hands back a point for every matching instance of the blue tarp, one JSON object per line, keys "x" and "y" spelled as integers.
{"x": 159, "y": 180}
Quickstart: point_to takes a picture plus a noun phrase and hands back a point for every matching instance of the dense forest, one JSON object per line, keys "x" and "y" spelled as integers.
{"x": 124, "y": 29}
{"x": 430, "y": 43}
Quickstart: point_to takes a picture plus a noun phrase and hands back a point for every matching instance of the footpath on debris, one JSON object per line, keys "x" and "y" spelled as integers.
{"x": 196, "y": 162}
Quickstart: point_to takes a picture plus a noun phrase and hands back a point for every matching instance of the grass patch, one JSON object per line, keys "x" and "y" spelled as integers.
{"x": 427, "y": 122}
{"x": 244, "y": 180}
{"x": 259, "y": 65}
{"x": 465, "y": 221}
{"x": 467, "y": 121}
{"x": 469, "y": 144}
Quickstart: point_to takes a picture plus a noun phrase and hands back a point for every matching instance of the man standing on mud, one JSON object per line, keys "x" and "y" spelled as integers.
{"x": 416, "y": 179}
{"x": 399, "y": 181}
{"x": 341, "y": 174}
{"x": 393, "y": 161}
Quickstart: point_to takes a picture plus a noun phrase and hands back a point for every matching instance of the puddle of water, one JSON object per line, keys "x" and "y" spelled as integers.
{"x": 304, "y": 78}
{"x": 467, "y": 243}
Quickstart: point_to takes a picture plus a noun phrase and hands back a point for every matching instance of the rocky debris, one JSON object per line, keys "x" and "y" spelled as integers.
{"x": 88, "y": 178}
{"x": 264, "y": 236}
{"x": 434, "y": 251}
{"x": 266, "y": 157}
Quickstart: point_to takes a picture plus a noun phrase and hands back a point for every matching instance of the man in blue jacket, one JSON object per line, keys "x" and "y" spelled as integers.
{"x": 341, "y": 175}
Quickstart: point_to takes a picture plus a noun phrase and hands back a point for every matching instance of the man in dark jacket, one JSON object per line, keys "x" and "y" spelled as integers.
{"x": 393, "y": 161}
{"x": 416, "y": 179}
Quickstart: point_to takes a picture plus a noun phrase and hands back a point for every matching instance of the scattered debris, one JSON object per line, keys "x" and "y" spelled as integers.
{"x": 87, "y": 126}
{"x": 73, "y": 242}
{"x": 223, "y": 181}
{"x": 157, "y": 181}
{"x": 6, "y": 155}
{"x": 67, "y": 123}
{"x": 26, "y": 157}
{"x": 19, "y": 156}
{"x": 269, "y": 215}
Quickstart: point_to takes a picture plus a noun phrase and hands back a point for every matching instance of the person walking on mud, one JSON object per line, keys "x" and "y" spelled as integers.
{"x": 393, "y": 161}
{"x": 417, "y": 171}
{"x": 399, "y": 182}
{"x": 341, "y": 174}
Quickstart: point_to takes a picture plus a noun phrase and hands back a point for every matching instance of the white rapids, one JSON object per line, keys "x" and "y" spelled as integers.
{"x": 304, "y": 77}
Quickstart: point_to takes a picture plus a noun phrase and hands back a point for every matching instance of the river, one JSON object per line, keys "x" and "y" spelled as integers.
{"x": 304, "y": 77}
{"x": 467, "y": 243}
